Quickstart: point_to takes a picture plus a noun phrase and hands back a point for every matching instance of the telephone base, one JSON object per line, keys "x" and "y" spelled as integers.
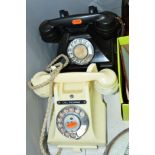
{"x": 95, "y": 134}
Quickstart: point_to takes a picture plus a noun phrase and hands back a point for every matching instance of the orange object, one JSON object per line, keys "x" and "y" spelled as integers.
{"x": 72, "y": 124}
{"x": 76, "y": 21}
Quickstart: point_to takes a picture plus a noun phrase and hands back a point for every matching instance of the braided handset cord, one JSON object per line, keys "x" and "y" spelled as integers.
{"x": 54, "y": 69}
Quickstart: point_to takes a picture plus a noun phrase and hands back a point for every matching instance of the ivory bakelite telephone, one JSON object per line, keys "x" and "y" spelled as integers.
{"x": 78, "y": 119}
{"x": 84, "y": 38}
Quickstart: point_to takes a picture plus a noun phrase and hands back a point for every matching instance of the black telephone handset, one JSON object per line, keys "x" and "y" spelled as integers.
{"x": 85, "y": 38}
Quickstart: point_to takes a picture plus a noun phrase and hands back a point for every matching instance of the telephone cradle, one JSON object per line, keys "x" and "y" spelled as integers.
{"x": 79, "y": 117}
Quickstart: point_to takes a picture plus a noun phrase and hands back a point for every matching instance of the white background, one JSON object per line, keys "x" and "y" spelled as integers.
{"x": 13, "y": 77}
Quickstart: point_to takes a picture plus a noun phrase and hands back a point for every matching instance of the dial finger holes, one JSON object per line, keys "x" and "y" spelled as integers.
{"x": 72, "y": 122}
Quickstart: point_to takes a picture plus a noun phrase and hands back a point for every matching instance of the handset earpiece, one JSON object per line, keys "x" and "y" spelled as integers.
{"x": 49, "y": 33}
{"x": 108, "y": 84}
{"x": 107, "y": 25}
{"x": 38, "y": 79}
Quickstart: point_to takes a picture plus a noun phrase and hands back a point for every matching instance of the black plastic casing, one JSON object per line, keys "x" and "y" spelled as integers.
{"x": 101, "y": 29}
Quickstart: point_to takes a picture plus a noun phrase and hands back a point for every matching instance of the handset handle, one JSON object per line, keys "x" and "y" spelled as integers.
{"x": 69, "y": 20}
{"x": 80, "y": 77}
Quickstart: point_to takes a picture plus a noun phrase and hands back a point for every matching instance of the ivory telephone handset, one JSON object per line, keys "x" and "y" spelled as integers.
{"x": 79, "y": 116}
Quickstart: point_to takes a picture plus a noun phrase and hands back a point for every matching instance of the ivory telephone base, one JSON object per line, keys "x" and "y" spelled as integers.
{"x": 95, "y": 134}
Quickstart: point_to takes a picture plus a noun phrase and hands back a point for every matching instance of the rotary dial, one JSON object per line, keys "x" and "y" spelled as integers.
{"x": 72, "y": 122}
{"x": 80, "y": 51}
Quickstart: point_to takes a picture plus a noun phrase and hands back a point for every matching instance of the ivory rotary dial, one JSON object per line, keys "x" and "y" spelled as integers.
{"x": 80, "y": 51}
{"x": 72, "y": 122}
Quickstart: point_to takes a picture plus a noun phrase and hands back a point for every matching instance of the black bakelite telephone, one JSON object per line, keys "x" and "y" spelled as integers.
{"x": 84, "y": 38}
